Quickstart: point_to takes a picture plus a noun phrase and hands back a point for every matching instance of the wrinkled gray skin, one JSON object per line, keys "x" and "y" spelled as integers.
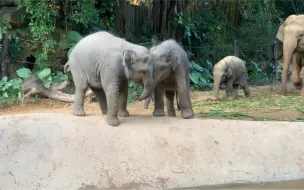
{"x": 230, "y": 71}
{"x": 105, "y": 63}
{"x": 172, "y": 66}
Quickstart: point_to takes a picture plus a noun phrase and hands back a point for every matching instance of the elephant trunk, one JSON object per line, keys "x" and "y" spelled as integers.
{"x": 149, "y": 83}
{"x": 216, "y": 86}
{"x": 148, "y": 87}
{"x": 289, "y": 45}
{"x": 147, "y": 101}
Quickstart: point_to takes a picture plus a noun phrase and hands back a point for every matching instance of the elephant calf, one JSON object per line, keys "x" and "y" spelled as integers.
{"x": 105, "y": 63}
{"x": 230, "y": 71}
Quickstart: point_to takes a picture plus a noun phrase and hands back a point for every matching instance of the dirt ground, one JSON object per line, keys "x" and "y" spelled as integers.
{"x": 136, "y": 108}
{"x": 53, "y": 149}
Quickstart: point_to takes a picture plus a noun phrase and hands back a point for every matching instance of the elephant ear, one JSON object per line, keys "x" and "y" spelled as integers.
{"x": 174, "y": 59}
{"x": 229, "y": 71}
{"x": 127, "y": 60}
{"x": 280, "y": 33}
{"x": 128, "y": 57}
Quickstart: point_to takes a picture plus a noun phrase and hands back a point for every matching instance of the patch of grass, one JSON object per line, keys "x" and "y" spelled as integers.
{"x": 249, "y": 108}
{"x": 5, "y": 103}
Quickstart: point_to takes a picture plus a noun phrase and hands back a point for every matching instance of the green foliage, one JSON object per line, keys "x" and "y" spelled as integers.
{"x": 69, "y": 43}
{"x": 200, "y": 77}
{"x": 23, "y": 73}
{"x": 209, "y": 29}
{"x": 85, "y": 14}
{"x": 10, "y": 88}
{"x": 4, "y": 26}
{"x": 45, "y": 75}
{"x": 107, "y": 12}
{"x": 42, "y": 25}
{"x": 15, "y": 48}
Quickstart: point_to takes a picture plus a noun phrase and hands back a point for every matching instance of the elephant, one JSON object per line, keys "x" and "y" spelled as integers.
{"x": 230, "y": 71}
{"x": 291, "y": 33}
{"x": 105, "y": 63}
{"x": 171, "y": 73}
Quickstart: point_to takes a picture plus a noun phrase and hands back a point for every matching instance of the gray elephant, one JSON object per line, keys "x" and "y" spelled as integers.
{"x": 230, "y": 71}
{"x": 172, "y": 66}
{"x": 105, "y": 63}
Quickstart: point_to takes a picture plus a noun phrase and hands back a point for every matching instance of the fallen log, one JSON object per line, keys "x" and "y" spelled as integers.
{"x": 34, "y": 86}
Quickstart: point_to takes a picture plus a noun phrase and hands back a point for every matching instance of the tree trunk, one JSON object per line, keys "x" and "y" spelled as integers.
{"x": 5, "y": 56}
{"x": 34, "y": 86}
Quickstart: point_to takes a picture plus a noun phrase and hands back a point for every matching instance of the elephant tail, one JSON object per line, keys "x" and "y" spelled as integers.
{"x": 177, "y": 103}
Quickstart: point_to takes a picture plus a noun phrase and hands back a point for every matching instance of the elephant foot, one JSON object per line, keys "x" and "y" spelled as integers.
{"x": 158, "y": 113}
{"x": 112, "y": 121}
{"x": 187, "y": 114}
{"x": 171, "y": 114}
{"x": 123, "y": 113}
{"x": 104, "y": 112}
{"x": 79, "y": 112}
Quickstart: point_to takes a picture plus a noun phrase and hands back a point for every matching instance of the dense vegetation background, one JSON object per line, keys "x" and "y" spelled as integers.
{"x": 207, "y": 29}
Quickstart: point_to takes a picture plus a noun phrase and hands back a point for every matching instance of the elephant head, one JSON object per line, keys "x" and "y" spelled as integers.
{"x": 164, "y": 61}
{"x": 291, "y": 33}
{"x": 221, "y": 73}
{"x": 138, "y": 67}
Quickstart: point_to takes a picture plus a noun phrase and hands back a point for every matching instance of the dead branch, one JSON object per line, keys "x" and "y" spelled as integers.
{"x": 34, "y": 86}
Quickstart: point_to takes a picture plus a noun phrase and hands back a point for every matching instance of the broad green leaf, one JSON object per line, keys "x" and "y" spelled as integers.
{"x": 47, "y": 83}
{"x": 44, "y": 73}
{"x": 194, "y": 78}
{"x": 75, "y": 36}
{"x": 5, "y": 95}
{"x": 1, "y": 35}
{"x": 4, "y": 79}
{"x": 19, "y": 94}
{"x": 70, "y": 50}
{"x": 65, "y": 44}
{"x": 23, "y": 73}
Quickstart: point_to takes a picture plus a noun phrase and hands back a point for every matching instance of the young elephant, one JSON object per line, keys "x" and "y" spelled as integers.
{"x": 171, "y": 66}
{"x": 105, "y": 63}
{"x": 230, "y": 71}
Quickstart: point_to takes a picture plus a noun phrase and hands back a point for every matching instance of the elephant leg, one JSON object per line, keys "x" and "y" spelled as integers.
{"x": 112, "y": 94}
{"x": 188, "y": 90}
{"x": 184, "y": 98}
{"x": 235, "y": 91}
{"x": 123, "y": 100}
{"x": 159, "y": 102}
{"x": 246, "y": 89}
{"x": 81, "y": 86}
{"x": 102, "y": 100}
{"x": 296, "y": 69}
{"x": 229, "y": 90}
{"x": 170, "y": 103}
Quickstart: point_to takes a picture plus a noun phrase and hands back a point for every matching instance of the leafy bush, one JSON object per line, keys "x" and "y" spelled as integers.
{"x": 69, "y": 43}
{"x": 200, "y": 77}
{"x": 11, "y": 88}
